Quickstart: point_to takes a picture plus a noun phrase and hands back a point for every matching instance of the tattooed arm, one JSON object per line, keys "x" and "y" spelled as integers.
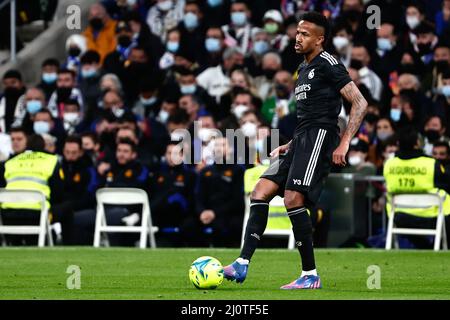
{"x": 359, "y": 107}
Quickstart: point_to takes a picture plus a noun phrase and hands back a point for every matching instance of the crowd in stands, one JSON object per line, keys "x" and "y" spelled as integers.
{"x": 143, "y": 69}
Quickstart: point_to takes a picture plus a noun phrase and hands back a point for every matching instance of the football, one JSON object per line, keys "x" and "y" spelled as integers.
{"x": 206, "y": 273}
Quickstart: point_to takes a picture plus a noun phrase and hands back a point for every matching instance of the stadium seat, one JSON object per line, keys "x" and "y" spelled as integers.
{"x": 417, "y": 201}
{"x": 28, "y": 196}
{"x": 278, "y": 223}
{"x": 124, "y": 196}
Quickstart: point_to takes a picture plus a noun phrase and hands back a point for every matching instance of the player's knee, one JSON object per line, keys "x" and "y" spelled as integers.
{"x": 262, "y": 192}
{"x": 293, "y": 199}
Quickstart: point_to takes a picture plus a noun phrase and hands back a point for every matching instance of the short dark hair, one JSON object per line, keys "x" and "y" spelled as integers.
{"x": 46, "y": 111}
{"x": 90, "y": 56}
{"x": 91, "y": 135}
{"x": 128, "y": 142}
{"x": 74, "y": 139}
{"x": 14, "y": 74}
{"x": 442, "y": 144}
{"x": 50, "y": 62}
{"x": 36, "y": 142}
{"x": 319, "y": 20}
{"x": 18, "y": 129}
{"x": 65, "y": 70}
{"x": 407, "y": 138}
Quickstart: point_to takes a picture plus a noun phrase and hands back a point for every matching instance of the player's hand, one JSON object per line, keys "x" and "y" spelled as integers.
{"x": 207, "y": 216}
{"x": 340, "y": 153}
{"x": 280, "y": 150}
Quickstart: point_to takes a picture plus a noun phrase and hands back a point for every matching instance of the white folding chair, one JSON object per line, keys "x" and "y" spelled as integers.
{"x": 277, "y": 202}
{"x": 417, "y": 201}
{"x": 124, "y": 196}
{"x": 28, "y": 196}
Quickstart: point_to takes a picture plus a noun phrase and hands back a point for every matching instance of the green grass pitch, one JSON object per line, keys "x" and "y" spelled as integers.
{"x": 113, "y": 273}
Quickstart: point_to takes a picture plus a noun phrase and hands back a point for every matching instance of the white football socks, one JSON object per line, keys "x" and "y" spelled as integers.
{"x": 242, "y": 261}
{"x": 309, "y": 273}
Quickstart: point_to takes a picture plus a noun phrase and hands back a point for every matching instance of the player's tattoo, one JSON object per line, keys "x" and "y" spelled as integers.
{"x": 359, "y": 108}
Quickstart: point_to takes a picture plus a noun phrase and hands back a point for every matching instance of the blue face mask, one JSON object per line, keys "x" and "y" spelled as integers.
{"x": 173, "y": 46}
{"x": 212, "y": 44}
{"x": 396, "y": 114}
{"x": 446, "y": 91}
{"x": 214, "y": 3}
{"x": 41, "y": 127}
{"x": 188, "y": 89}
{"x": 190, "y": 20}
{"x": 384, "y": 44}
{"x": 238, "y": 18}
{"x": 49, "y": 78}
{"x": 34, "y": 106}
{"x": 260, "y": 47}
{"x": 148, "y": 102}
{"x": 88, "y": 73}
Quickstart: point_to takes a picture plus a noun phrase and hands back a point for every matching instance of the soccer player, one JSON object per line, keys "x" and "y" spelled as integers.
{"x": 303, "y": 164}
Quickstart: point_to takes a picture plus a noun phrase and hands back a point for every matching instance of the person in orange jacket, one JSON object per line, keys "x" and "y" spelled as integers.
{"x": 101, "y": 32}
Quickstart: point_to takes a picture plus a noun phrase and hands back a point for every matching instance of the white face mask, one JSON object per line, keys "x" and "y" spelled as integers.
{"x": 340, "y": 42}
{"x": 249, "y": 129}
{"x": 412, "y": 21}
{"x": 163, "y": 116}
{"x": 176, "y": 136}
{"x": 354, "y": 160}
{"x": 165, "y": 5}
{"x": 205, "y": 134}
{"x": 239, "y": 110}
{"x": 71, "y": 117}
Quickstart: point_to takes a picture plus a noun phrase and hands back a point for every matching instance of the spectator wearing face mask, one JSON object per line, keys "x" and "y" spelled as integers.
{"x": 115, "y": 60}
{"x": 66, "y": 88}
{"x": 414, "y": 16}
{"x": 89, "y": 84}
{"x": 426, "y": 41}
{"x": 34, "y": 102}
{"x": 100, "y": 34}
{"x": 149, "y": 103}
{"x": 187, "y": 84}
{"x": 73, "y": 120}
{"x": 172, "y": 47}
{"x": 388, "y": 51}
{"x": 342, "y": 42}
{"x": 273, "y": 25}
{"x": 49, "y": 75}
{"x": 357, "y": 158}
{"x": 192, "y": 28}
{"x": 281, "y": 101}
{"x": 433, "y": 131}
{"x": 360, "y": 61}
{"x": 441, "y": 152}
{"x": 76, "y": 45}
{"x": 243, "y": 101}
{"x": 165, "y": 15}
{"x": 238, "y": 32}
{"x": 260, "y": 46}
{"x": 12, "y": 106}
{"x": 213, "y": 48}
{"x": 271, "y": 64}
{"x": 45, "y": 124}
{"x": 384, "y": 130}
